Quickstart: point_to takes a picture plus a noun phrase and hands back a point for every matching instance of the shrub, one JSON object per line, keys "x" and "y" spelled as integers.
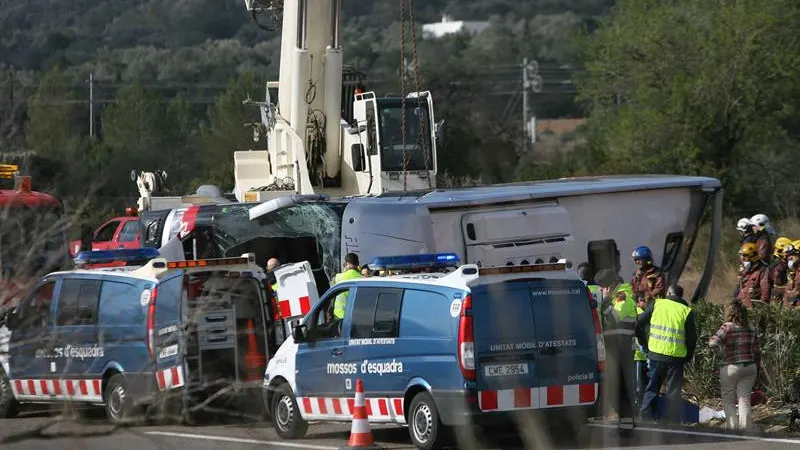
{"x": 778, "y": 335}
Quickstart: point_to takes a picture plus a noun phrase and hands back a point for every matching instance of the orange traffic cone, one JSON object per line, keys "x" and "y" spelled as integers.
{"x": 254, "y": 361}
{"x": 360, "y": 434}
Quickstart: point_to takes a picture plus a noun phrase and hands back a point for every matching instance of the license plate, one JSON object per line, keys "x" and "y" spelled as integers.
{"x": 500, "y": 370}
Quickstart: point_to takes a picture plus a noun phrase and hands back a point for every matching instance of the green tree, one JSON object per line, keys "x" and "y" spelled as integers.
{"x": 56, "y": 131}
{"x": 55, "y": 117}
{"x": 694, "y": 87}
{"x": 227, "y": 133}
{"x": 136, "y": 135}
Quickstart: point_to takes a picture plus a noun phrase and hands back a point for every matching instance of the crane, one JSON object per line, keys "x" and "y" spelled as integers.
{"x": 326, "y": 135}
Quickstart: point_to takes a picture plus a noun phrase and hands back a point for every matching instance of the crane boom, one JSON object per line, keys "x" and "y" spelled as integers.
{"x": 311, "y": 147}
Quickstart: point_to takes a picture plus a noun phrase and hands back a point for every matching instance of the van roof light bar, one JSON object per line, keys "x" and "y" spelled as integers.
{"x": 129, "y": 256}
{"x": 547, "y": 267}
{"x": 247, "y": 258}
{"x": 411, "y": 262}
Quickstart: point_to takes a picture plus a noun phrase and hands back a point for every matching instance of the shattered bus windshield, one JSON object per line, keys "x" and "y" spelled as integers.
{"x": 418, "y": 150}
{"x": 304, "y": 232}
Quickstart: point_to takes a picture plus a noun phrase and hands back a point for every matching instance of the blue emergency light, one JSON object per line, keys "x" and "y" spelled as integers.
{"x": 410, "y": 262}
{"x": 122, "y": 255}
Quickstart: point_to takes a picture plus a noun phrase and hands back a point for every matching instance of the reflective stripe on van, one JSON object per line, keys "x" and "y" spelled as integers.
{"x": 56, "y": 389}
{"x": 170, "y": 378}
{"x": 333, "y": 408}
{"x": 538, "y": 397}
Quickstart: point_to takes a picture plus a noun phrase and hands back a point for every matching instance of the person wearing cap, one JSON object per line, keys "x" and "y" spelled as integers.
{"x": 619, "y": 325}
{"x": 668, "y": 335}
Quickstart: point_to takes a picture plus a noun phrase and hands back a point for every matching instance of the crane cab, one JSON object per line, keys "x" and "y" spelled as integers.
{"x": 379, "y": 150}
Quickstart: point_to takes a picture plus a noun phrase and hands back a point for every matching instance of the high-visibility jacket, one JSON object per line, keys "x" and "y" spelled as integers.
{"x": 595, "y": 290}
{"x": 668, "y": 328}
{"x": 638, "y": 354}
{"x": 598, "y": 298}
{"x": 340, "y": 303}
{"x": 619, "y": 314}
{"x": 275, "y": 301}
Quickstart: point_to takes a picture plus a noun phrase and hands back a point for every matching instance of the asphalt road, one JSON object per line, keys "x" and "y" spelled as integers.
{"x": 49, "y": 430}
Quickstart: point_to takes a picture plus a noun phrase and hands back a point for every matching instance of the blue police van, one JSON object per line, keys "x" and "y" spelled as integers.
{"x": 128, "y": 338}
{"x": 442, "y": 347}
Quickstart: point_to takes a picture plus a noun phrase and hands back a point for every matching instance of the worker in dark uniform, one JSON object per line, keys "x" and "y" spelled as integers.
{"x": 586, "y": 273}
{"x": 619, "y": 325}
{"x": 649, "y": 281}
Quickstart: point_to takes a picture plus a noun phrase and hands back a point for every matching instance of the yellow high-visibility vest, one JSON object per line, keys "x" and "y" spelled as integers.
{"x": 668, "y": 328}
{"x": 622, "y": 320}
{"x": 340, "y": 303}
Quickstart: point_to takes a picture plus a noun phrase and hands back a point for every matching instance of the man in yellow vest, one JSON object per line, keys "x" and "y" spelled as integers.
{"x": 667, "y": 332}
{"x": 619, "y": 324}
{"x": 351, "y": 271}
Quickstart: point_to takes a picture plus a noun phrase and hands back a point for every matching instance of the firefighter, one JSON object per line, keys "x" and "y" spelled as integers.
{"x": 755, "y": 282}
{"x": 745, "y": 229}
{"x": 351, "y": 271}
{"x": 778, "y": 270}
{"x": 619, "y": 325}
{"x": 649, "y": 281}
{"x": 791, "y": 295}
{"x": 764, "y": 237}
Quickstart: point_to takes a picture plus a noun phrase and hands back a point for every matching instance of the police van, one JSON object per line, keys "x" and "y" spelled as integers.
{"x": 446, "y": 346}
{"x": 164, "y": 334}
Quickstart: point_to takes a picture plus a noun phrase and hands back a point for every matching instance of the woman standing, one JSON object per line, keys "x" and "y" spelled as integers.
{"x": 741, "y": 358}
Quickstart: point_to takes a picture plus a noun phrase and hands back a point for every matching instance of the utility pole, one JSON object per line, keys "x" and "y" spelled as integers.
{"x": 91, "y": 105}
{"x": 531, "y": 80}
{"x": 11, "y": 88}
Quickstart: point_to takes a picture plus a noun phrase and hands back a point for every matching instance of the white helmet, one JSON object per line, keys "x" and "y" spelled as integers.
{"x": 761, "y": 221}
{"x": 742, "y": 224}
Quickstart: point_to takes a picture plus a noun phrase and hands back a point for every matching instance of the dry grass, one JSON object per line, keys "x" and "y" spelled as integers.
{"x": 723, "y": 282}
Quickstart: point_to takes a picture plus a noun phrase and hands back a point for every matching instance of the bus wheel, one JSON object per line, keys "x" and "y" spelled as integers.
{"x": 8, "y": 405}
{"x": 286, "y": 415}
{"x": 118, "y": 402}
{"x": 424, "y": 425}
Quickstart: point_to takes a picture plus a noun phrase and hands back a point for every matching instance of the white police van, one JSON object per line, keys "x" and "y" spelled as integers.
{"x": 161, "y": 333}
{"x": 442, "y": 348}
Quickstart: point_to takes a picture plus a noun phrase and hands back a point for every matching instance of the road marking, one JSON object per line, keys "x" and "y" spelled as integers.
{"x": 240, "y": 440}
{"x": 705, "y": 433}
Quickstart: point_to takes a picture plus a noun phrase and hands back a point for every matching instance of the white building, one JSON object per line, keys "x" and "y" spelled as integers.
{"x": 450, "y": 26}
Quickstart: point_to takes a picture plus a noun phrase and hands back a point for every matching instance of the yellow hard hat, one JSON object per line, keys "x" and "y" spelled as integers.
{"x": 796, "y": 243}
{"x": 780, "y": 246}
{"x": 749, "y": 251}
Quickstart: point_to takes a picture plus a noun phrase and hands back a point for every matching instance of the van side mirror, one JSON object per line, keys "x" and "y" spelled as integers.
{"x": 357, "y": 153}
{"x": 438, "y": 131}
{"x": 298, "y": 331}
{"x": 9, "y": 319}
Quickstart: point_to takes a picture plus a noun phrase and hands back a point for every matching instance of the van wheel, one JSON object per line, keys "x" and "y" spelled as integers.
{"x": 118, "y": 402}
{"x": 286, "y": 415}
{"x": 424, "y": 425}
{"x": 8, "y": 404}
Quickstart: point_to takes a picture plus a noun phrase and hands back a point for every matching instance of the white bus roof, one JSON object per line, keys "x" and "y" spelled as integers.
{"x": 539, "y": 190}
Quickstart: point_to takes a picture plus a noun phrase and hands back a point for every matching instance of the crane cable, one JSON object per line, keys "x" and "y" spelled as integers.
{"x": 403, "y": 90}
{"x": 421, "y": 141}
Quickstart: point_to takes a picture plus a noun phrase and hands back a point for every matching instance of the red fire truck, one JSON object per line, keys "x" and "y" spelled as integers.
{"x": 33, "y": 239}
